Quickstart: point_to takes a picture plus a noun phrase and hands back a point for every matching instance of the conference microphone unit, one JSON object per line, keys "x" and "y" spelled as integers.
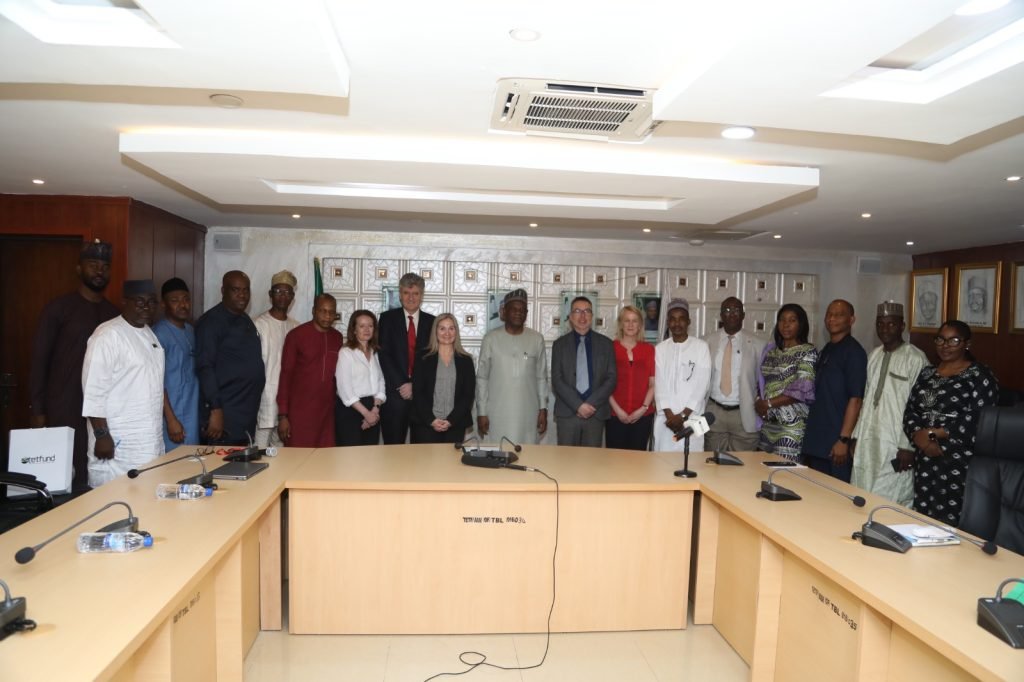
{"x": 204, "y": 479}
{"x": 485, "y": 457}
{"x": 515, "y": 446}
{"x": 723, "y": 458}
{"x": 1004, "y": 618}
{"x": 878, "y": 535}
{"x": 12, "y": 614}
{"x": 777, "y": 493}
{"x": 128, "y": 525}
{"x": 695, "y": 426}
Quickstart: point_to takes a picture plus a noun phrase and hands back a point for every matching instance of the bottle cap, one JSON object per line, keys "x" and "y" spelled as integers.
{"x": 209, "y": 491}
{"x": 147, "y": 540}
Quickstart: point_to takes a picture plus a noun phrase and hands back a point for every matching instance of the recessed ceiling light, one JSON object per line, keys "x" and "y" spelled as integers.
{"x": 979, "y": 7}
{"x": 647, "y": 229}
{"x": 1013, "y": 178}
{"x": 910, "y": 243}
{"x": 738, "y": 133}
{"x": 227, "y": 101}
{"x": 296, "y": 215}
{"x": 524, "y": 35}
{"x": 865, "y": 215}
{"x": 37, "y": 181}
{"x": 776, "y": 236}
{"x": 533, "y": 225}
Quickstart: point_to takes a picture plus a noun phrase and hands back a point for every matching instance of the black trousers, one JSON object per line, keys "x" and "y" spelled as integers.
{"x": 394, "y": 419}
{"x": 348, "y": 424}
{"x": 635, "y": 436}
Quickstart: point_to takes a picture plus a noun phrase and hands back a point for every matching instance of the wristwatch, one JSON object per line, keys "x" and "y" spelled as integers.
{"x": 100, "y": 433}
{"x": 845, "y": 440}
{"x": 931, "y": 435}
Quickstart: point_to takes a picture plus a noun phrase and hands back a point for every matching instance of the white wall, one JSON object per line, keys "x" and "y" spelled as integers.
{"x": 268, "y": 250}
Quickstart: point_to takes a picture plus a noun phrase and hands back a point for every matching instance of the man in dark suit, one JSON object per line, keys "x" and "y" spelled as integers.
{"x": 583, "y": 378}
{"x": 404, "y": 337}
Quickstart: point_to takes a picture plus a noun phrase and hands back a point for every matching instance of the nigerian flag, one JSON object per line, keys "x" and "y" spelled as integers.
{"x": 318, "y": 280}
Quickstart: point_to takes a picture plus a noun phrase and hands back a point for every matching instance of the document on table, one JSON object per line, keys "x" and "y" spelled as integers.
{"x": 925, "y": 536}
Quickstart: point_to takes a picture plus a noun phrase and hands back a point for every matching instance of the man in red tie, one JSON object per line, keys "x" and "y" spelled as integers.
{"x": 404, "y": 337}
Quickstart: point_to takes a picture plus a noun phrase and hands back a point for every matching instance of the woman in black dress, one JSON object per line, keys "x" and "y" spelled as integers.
{"x": 941, "y": 419}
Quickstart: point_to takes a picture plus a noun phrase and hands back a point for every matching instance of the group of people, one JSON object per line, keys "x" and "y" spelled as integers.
{"x": 889, "y": 422}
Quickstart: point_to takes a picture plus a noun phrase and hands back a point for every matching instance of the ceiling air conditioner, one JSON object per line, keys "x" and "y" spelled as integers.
{"x": 576, "y": 110}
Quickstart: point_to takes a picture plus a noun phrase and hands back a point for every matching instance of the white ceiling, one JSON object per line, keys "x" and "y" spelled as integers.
{"x": 340, "y": 93}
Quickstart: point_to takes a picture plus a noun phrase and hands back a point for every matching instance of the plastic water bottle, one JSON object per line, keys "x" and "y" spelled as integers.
{"x": 97, "y": 543}
{"x": 182, "y": 491}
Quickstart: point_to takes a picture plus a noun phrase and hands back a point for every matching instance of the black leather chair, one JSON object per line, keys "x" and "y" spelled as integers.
{"x": 994, "y": 498}
{"x": 29, "y": 498}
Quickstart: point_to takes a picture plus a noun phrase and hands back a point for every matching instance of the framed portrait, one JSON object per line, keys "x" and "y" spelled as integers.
{"x": 1017, "y": 298}
{"x": 496, "y": 308}
{"x": 927, "y": 299}
{"x": 390, "y": 298}
{"x": 977, "y": 295}
{"x": 650, "y": 307}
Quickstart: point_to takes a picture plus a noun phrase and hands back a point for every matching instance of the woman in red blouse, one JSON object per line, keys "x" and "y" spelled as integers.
{"x": 629, "y": 427}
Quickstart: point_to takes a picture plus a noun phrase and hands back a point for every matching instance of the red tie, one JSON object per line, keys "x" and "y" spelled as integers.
{"x": 412, "y": 344}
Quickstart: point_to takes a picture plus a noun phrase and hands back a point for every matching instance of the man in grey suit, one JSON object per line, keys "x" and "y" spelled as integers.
{"x": 735, "y": 357}
{"x": 583, "y": 378}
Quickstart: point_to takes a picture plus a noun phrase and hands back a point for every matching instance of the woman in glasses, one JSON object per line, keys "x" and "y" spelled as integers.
{"x": 941, "y": 418}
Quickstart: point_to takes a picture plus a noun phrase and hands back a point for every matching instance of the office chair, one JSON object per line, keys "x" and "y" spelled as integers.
{"x": 994, "y": 497}
{"x": 16, "y": 510}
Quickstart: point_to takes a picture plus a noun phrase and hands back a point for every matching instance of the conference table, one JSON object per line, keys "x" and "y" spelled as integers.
{"x": 406, "y": 539}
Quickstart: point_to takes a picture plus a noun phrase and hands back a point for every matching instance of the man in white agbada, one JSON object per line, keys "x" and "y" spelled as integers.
{"x": 273, "y": 326}
{"x": 879, "y": 438}
{"x": 682, "y": 379}
{"x": 511, "y": 378}
{"x": 123, "y": 387}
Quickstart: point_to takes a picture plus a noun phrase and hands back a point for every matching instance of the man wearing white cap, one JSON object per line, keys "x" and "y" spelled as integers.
{"x": 682, "y": 379}
{"x": 273, "y": 326}
{"x": 882, "y": 453}
{"x": 511, "y": 378}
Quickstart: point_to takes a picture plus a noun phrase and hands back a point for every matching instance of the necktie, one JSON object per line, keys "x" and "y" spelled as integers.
{"x": 412, "y": 344}
{"x": 582, "y": 375}
{"x": 725, "y": 381}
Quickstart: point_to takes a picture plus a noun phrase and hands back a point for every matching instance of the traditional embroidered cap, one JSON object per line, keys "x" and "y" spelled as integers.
{"x": 173, "y": 284}
{"x": 680, "y": 303}
{"x": 515, "y": 295}
{"x": 95, "y": 250}
{"x": 890, "y": 309}
{"x": 134, "y": 288}
{"x": 284, "y": 277}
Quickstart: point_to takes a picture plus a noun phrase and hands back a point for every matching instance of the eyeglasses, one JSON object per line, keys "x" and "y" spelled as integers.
{"x": 952, "y": 341}
{"x": 582, "y": 311}
{"x": 282, "y": 292}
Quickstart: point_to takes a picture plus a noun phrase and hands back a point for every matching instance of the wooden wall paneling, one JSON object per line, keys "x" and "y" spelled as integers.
{"x": 1000, "y": 351}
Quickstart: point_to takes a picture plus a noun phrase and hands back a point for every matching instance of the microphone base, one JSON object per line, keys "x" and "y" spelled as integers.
{"x": 205, "y": 480}
{"x": 721, "y": 457}
{"x": 777, "y": 493}
{"x": 882, "y": 537}
{"x": 1004, "y": 619}
{"x": 129, "y": 525}
{"x": 11, "y": 614}
{"x": 685, "y": 473}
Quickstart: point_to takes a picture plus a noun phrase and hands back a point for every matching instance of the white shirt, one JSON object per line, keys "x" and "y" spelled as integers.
{"x": 272, "y": 332}
{"x": 681, "y": 375}
{"x": 123, "y": 382}
{"x": 356, "y": 377}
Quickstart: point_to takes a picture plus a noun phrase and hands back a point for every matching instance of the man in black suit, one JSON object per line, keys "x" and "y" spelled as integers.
{"x": 400, "y": 349}
{"x": 583, "y": 378}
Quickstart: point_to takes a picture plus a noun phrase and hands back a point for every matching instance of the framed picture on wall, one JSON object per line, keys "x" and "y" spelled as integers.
{"x": 927, "y": 299}
{"x": 650, "y": 306}
{"x": 977, "y": 295}
{"x": 1017, "y": 295}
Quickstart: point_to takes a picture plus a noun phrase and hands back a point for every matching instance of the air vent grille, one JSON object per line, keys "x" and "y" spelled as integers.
{"x": 611, "y": 113}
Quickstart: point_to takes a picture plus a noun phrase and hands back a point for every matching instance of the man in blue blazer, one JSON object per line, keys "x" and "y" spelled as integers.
{"x": 583, "y": 378}
{"x": 400, "y": 350}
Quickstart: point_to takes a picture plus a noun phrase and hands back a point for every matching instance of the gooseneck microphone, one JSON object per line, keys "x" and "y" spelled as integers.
{"x": 874, "y": 534}
{"x": 694, "y": 426}
{"x": 777, "y": 493}
{"x": 1004, "y": 618}
{"x": 471, "y": 439}
{"x": 515, "y": 446}
{"x": 129, "y": 525}
{"x": 204, "y": 479}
